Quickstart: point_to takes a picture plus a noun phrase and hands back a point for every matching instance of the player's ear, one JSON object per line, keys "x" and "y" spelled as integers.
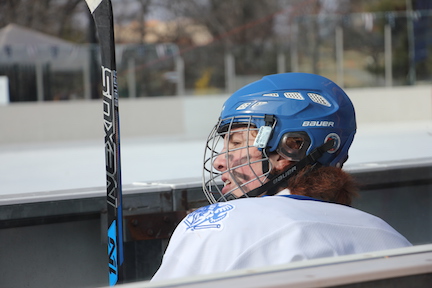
{"x": 279, "y": 162}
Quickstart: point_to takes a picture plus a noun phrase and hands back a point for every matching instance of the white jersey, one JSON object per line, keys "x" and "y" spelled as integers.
{"x": 255, "y": 232}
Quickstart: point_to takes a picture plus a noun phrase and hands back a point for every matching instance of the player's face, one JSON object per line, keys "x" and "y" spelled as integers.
{"x": 240, "y": 162}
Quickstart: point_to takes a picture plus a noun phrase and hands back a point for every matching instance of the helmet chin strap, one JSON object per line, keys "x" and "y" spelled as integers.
{"x": 271, "y": 187}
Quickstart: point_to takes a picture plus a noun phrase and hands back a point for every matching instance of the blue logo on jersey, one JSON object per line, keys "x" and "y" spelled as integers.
{"x": 208, "y": 217}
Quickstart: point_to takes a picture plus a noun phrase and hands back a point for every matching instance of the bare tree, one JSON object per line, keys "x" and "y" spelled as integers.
{"x": 53, "y": 17}
{"x": 132, "y": 11}
{"x": 232, "y": 22}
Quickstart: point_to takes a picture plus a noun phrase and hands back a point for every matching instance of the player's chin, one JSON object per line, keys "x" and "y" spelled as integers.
{"x": 237, "y": 192}
{"x": 240, "y": 191}
{"x": 225, "y": 190}
{"x": 229, "y": 190}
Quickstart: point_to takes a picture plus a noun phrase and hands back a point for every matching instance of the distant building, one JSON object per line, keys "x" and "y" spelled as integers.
{"x": 180, "y": 31}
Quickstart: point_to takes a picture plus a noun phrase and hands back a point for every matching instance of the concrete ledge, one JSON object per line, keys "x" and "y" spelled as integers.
{"x": 405, "y": 103}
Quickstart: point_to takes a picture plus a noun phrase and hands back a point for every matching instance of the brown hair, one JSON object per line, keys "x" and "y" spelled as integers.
{"x": 325, "y": 183}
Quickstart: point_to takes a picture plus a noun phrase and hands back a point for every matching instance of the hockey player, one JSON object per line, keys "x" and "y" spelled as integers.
{"x": 285, "y": 136}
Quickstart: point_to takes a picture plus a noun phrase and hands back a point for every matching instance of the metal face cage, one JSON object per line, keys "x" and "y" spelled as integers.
{"x": 221, "y": 143}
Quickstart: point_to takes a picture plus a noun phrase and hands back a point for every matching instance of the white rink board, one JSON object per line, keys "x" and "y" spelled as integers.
{"x": 71, "y": 165}
{"x": 4, "y": 90}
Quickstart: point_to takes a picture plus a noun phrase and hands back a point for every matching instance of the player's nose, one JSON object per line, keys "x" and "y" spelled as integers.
{"x": 219, "y": 162}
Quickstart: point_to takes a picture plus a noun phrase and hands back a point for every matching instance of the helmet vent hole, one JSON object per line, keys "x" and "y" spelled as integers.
{"x": 319, "y": 99}
{"x": 293, "y": 95}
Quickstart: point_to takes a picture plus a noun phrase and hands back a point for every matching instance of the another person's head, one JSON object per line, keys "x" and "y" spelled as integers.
{"x": 272, "y": 129}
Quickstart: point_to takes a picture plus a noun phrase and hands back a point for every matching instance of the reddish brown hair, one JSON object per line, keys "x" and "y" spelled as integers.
{"x": 326, "y": 183}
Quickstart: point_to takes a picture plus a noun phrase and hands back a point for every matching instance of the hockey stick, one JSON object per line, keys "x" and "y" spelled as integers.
{"x": 103, "y": 17}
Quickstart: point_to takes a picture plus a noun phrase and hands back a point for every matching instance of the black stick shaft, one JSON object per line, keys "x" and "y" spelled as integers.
{"x": 103, "y": 17}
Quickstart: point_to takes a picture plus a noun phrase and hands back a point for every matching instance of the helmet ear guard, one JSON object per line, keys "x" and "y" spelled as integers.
{"x": 271, "y": 187}
{"x": 293, "y": 145}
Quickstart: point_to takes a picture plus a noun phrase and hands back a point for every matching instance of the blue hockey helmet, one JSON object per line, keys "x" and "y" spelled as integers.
{"x": 291, "y": 106}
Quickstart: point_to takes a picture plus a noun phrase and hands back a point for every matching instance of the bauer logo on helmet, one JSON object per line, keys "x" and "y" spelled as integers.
{"x": 318, "y": 123}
